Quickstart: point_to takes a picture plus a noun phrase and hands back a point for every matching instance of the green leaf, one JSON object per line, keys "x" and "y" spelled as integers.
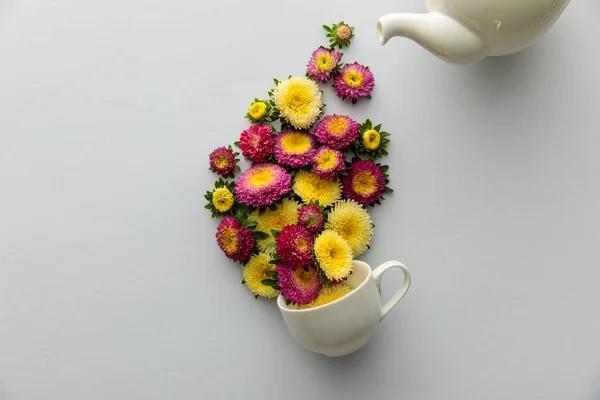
{"x": 243, "y": 281}
{"x": 271, "y": 274}
{"x": 261, "y": 210}
{"x": 328, "y": 29}
{"x": 384, "y": 168}
{"x": 275, "y": 233}
{"x": 256, "y": 296}
{"x": 388, "y": 190}
{"x": 276, "y": 287}
{"x": 378, "y": 127}
{"x": 251, "y": 224}
{"x": 258, "y": 235}
{"x": 273, "y": 207}
{"x": 269, "y": 282}
{"x": 274, "y": 261}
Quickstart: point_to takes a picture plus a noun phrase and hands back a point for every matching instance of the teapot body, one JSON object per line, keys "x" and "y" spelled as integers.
{"x": 506, "y": 26}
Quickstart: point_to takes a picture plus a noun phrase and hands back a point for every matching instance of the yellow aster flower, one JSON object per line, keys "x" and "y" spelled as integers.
{"x": 311, "y": 188}
{"x": 328, "y": 294}
{"x": 299, "y": 101}
{"x": 285, "y": 214}
{"x": 255, "y": 271}
{"x": 333, "y": 254}
{"x": 371, "y": 139}
{"x": 223, "y": 199}
{"x": 257, "y": 110}
{"x": 352, "y": 222}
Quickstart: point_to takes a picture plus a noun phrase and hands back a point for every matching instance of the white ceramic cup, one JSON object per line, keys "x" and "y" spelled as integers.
{"x": 345, "y": 325}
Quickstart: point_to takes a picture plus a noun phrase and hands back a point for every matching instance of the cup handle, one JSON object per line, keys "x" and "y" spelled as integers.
{"x": 378, "y": 273}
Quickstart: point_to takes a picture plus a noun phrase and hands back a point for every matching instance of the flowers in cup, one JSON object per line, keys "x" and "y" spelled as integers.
{"x": 297, "y": 217}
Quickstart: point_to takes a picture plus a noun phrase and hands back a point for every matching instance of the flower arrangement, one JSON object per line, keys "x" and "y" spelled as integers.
{"x": 297, "y": 217}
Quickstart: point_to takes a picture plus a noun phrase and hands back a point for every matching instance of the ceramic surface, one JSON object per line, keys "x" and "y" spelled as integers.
{"x": 345, "y": 325}
{"x": 466, "y": 31}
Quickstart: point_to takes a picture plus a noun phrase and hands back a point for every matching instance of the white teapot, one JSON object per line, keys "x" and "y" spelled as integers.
{"x": 466, "y": 31}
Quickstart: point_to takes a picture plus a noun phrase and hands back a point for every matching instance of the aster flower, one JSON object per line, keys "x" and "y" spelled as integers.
{"x": 261, "y": 110}
{"x": 221, "y": 200}
{"x": 310, "y": 216}
{"x": 257, "y": 143}
{"x": 327, "y": 162}
{"x": 365, "y": 182}
{"x": 371, "y": 141}
{"x": 352, "y": 222}
{"x": 337, "y": 131}
{"x": 322, "y": 64}
{"x": 262, "y": 185}
{"x": 339, "y": 34}
{"x": 257, "y": 270}
{"x": 223, "y": 161}
{"x": 298, "y": 100}
{"x": 234, "y": 239}
{"x": 333, "y": 254}
{"x": 311, "y": 188}
{"x": 299, "y": 285}
{"x": 294, "y": 148}
{"x": 282, "y": 215}
{"x": 294, "y": 246}
{"x": 354, "y": 82}
{"x": 327, "y": 294}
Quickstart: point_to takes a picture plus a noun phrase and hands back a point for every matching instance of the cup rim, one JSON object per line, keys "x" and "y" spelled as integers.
{"x": 363, "y": 283}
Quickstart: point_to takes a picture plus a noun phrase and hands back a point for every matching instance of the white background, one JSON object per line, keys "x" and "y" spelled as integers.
{"x": 111, "y": 284}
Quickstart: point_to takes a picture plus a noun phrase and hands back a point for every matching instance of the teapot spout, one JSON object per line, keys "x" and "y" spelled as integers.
{"x": 439, "y": 34}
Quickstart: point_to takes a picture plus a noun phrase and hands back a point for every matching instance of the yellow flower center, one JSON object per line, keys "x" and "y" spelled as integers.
{"x": 337, "y": 126}
{"x": 303, "y": 277}
{"x": 229, "y": 240}
{"x": 364, "y": 183}
{"x": 261, "y": 177}
{"x": 350, "y": 228}
{"x": 222, "y": 161}
{"x": 295, "y": 143}
{"x": 301, "y": 244}
{"x": 222, "y": 199}
{"x": 371, "y": 139}
{"x": 325, "y": 62}
{"x": 326, "y": 159}
{"x": 353, "y": 78}
{"x": 258, "y": 110}
{"x": 298, "y": 98}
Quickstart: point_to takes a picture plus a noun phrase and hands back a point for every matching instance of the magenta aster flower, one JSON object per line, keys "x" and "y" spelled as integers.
{"x": 262, "y": 185}
{"x": 299, "y": 285}
{"x": 322, "y": 64}
{"x": 222, "y": 161}
{"x": 337, "y": 131}
{"x": 257, "y": 143}
{"x": 365, "y": 182}
{"x": 354, "y": 81}
{"x": 327, "y": 162}
{"x": 235, "y": 240}
{"x": 294, "y": 246}
{"x": 311, "y": 217}
{"x": 294, "y": 148}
